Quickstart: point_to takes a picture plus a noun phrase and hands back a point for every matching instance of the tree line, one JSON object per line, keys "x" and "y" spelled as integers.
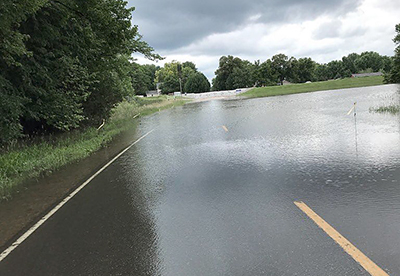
{"x": 64, "y": 64}
{"x": 234, "y": 72}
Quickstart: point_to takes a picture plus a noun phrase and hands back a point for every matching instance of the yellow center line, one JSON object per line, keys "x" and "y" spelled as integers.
{"x": 225, "y": 128}
{"x": 347, "y": 246}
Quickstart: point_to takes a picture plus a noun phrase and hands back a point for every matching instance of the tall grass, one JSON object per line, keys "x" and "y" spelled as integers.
{"x": 312, "y": 87}
{"x": 30, "y": 159}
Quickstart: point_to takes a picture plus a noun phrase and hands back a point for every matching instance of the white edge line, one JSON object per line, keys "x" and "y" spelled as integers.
{"x": 22, "y": 238}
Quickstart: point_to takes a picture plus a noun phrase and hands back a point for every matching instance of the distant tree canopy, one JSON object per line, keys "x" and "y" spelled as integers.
{"x": 234, "y": 72}
{"x": 64, "y": 64}
{"x": 197, "y": 83}
{"x": 393, "y": 76}
{"x": 143, "y": 77}
{"x": 175, "y": 75}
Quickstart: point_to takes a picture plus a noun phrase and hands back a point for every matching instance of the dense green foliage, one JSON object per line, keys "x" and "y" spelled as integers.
{"x": 234, "y": 72}
{"x": 197, "y": 83}
{"x": 174, "y": 76}
{"x": 312, "y": 87}
{"x": 394, "y": 75}
{"x": 143, "y": 78}
{"x": 64, "y": 64}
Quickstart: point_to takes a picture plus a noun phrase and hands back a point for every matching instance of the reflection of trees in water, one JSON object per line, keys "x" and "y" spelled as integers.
{"x": 138, "y": 225}
{"x": 119, "y": 234}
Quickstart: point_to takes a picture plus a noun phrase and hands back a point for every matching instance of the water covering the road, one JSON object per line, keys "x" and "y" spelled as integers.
{"x": 194, "y": 199}
{"x": 221, "y": 201}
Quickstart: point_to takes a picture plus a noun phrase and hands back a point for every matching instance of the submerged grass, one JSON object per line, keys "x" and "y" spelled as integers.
{"x": 29, "y": 159}
{"x": 392, "y": 109}
{"x": 312, "y": 87}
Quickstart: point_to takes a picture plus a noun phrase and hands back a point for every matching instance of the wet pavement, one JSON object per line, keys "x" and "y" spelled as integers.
{"x": 194, "y": 199}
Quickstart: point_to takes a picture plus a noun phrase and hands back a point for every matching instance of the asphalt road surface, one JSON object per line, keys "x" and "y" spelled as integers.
{"x": 211, "y": 191}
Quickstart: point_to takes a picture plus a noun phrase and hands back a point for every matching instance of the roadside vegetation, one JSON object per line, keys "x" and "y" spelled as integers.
{"x": 312, "y": 87}
{"x": 40, "y": 156}
{"x": 391, "y": 109}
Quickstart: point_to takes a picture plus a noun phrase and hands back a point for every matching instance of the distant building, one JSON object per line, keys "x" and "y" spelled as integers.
{"x": 366, "y": 75}
{"x": 152, "y": 93}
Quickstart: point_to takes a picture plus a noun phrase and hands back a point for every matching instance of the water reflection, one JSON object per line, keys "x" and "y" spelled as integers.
{"x": 221, "y": 202}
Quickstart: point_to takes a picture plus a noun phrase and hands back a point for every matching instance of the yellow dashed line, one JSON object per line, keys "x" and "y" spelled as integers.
{"x": 347, "y": 246}
{"x": 225, "y": 128}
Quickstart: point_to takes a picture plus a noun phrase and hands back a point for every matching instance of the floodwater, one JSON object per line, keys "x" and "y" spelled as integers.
{"x": 194, "y": 199}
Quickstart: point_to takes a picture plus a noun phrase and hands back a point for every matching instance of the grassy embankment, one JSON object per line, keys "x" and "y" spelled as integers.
{"x": 30, "y": 159}
{"x": 312, "y": 87}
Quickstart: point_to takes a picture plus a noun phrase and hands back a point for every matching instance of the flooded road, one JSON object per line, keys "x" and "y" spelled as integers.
{"x": 211, "y": 191}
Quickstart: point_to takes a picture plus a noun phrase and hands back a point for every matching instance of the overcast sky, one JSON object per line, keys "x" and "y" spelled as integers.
{"x": 202, "y": 31}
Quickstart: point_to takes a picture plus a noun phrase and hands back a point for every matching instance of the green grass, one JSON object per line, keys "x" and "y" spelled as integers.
{"x": 392, "y": 109}
{"x": 312, "y": 87}
{"x": 30, "y": 159}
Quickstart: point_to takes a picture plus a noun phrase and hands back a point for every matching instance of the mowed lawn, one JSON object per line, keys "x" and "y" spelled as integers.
{"x": 315, "y": 86}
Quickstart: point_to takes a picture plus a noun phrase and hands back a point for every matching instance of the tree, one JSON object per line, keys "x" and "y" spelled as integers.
{"x": 280, "y": 65}
{"x": 387, "y": 63}
{"x": 321, "y": 72}
{"x": 233, "y": 73}
{"x": 150, "y": 71}
{"x": 189, "y": 64}
{"x": 174, "y": 75}
{"x": 267, "y": 74}
{"x": 170, "y": 84}
{"x": 336, "y": 70}
{"x": 394, "y": 75}
{"x": 64, "y": 64}
{"x": 349, "y": 62}
{"x": 306, "y": 67}
{"x": 12, "y": 47}
{"x": 197, "y": 83}
{"x": 140, "y": 80}
{"x": 225, "y": 69}
{"x": 12, "y": 41}
{"x": 369, "y": 61}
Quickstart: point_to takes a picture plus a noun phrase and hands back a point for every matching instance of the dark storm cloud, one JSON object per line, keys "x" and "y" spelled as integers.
{"x": 172, "y": 24}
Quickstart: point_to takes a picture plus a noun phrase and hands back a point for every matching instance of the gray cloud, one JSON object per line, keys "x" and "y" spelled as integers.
{"x": 328, "y": 30}
{"x": 203, "y": 31}
{"x": 168, "y": 25}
